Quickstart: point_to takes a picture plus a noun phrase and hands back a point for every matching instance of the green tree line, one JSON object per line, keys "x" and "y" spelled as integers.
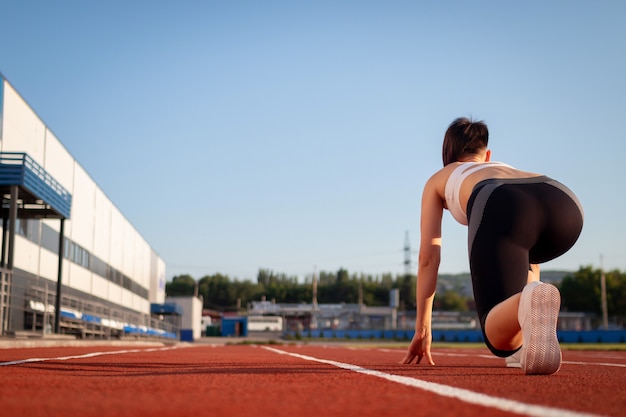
{"x": 580, "y": 291}
{"x": 220, "y": 292}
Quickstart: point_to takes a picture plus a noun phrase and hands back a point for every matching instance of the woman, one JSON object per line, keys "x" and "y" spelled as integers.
{"x": 515, "y": 220}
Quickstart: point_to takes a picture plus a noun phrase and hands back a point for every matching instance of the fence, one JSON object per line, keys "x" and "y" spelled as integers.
{"x": 29, "y": 311}
{"x": 454, "y": 335}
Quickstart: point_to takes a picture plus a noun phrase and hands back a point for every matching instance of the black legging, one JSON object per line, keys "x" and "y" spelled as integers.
{"x": 514, "y": 223}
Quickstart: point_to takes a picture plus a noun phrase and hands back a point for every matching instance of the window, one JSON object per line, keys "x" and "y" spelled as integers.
{"x": 49, "y": 238}
{"x": 98, "y": 266}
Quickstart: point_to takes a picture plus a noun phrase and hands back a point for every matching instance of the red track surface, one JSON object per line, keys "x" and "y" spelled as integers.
{"x": 299, "y": 381}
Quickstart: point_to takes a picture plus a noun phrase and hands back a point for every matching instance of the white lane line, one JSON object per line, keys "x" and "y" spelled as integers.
{"x": 86, "y": 355}
{"x": 480, "y": 355}
{"x": 618, "y": 365}
{"x": 461, "y": 394}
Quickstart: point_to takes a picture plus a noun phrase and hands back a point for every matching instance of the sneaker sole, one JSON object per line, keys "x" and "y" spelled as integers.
{"x": 513, "y": 361}
{"x": 542, "y": 353}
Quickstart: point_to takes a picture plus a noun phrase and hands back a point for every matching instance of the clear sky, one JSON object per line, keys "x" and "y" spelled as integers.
{"x": 296, "y": 136}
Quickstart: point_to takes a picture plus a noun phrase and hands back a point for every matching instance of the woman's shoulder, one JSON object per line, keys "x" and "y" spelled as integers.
{"x": 446, "y": 171}
{"x": 438, "y": 179}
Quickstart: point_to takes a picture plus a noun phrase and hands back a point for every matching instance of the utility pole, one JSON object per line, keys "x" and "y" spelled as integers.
{"x": 407, "y": 255}
{"x": 605, "y": 313}
{"x": 405, "y": 288}
{"x": 314, "y": 301}
{"x": 361, "y": 292}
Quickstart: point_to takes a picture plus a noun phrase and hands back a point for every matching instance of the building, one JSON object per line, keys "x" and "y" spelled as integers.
{"x": 66, "y": 247}
{"x": 190, "y": 316}
{"x": 298, "y": 317}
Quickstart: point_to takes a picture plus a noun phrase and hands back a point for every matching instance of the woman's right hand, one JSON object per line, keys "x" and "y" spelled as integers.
{"x": 419, "y": 348}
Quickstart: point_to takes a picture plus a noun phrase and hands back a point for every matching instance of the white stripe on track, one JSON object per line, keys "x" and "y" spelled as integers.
{"x": 86, "y": 355}
{"x": 449, "y": 391}
{"x": 616, "y": 365}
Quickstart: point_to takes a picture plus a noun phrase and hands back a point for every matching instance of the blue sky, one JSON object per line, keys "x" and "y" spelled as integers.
{"x": 297, "y": 136}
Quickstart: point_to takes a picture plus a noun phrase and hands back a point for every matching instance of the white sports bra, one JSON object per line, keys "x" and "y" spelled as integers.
{"x": 453, "y": 186}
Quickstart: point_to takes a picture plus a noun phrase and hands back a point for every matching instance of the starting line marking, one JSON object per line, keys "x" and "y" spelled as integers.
{"x": 449, "y": 391}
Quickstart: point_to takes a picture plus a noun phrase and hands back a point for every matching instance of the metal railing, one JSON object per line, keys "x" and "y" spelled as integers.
{"x": 5, "y": 298}
{"x": 30, "y": 312}
{"x": 18, "y": 168}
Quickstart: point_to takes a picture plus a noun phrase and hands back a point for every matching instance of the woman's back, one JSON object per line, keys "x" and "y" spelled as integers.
{"x": 456, "y": 181}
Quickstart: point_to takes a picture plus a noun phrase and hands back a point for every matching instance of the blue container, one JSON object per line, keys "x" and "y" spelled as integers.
{"x": 235, "y": 326}
{"x": 186, "y": 335}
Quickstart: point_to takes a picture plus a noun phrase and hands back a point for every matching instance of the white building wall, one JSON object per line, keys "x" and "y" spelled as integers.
{"x": 139, "y": 303}
{"x": 58, "y": 162}
{"x": 48, "y": 262}
{"x": 115, "y": 294}
{"x": 26, "y": 254}
{"x": 79, "y": 278}
{"x": 157, "y": 286}
{"x": 100, "y": 286}
{"x": 102, "y": 226}
{"x": 141, "y": 265}
{"x": 161, "y": 281}
{"x": 127, "y": 298}
{"x": 80, "y": 227}
{"x": 191, "y": 319}
{"x": 129, "y": 256}
{"x": 22, "y": 130}
{"x": 117, "y": 233}
{"x": 54, "y": 224}
{"x": 95, "y": 224}
{"x": 48, "y": 265}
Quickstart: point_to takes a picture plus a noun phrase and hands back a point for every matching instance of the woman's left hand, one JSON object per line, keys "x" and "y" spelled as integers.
{"x": 419, "y": 348}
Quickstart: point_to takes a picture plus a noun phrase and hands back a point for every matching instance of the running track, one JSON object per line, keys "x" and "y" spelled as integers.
{"x": 299, "y": 381}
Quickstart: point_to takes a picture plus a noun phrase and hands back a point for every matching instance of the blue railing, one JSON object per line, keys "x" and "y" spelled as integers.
{"x": 17, "y": 168}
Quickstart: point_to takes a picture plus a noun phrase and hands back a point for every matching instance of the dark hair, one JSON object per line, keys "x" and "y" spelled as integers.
{"x": 464, "y": 137}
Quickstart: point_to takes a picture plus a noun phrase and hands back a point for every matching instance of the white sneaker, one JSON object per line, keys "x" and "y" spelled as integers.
{"x": 514, "y": 361}
{"x": 538, "y": 314}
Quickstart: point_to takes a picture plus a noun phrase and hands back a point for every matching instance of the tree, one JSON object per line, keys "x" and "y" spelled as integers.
{"x": 217, "y": 292}
{"x": 581, "y": 291}
{"x": 451, "y": 301}
{"x": 406, "y": 285}
{"x": 181, "y": 285}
